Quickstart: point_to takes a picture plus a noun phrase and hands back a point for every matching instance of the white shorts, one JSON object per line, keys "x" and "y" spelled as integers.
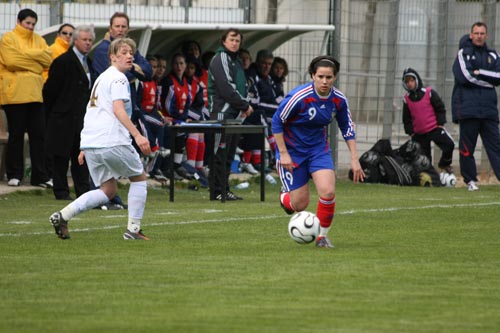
{"x": 113, "y": 162}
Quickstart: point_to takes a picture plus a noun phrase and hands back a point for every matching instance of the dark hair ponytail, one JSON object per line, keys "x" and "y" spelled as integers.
{"x": 324, "y": 61}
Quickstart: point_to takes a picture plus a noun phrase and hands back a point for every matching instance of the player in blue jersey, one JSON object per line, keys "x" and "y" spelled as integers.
{"x": 300, "y": 126}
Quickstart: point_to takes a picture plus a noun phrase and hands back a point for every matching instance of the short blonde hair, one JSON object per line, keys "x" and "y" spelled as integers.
{"x": 115, "y": 45}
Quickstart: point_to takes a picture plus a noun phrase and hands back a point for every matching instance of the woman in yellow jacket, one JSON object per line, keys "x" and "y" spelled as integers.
{"x": 61, "y": 44}
{"x": 23, "y": 57}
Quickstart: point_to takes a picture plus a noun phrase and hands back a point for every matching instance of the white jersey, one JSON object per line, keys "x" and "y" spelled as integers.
{"x": 101, "y": 128}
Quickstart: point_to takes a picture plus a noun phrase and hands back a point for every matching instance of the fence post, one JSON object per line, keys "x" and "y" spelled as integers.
{"x": 334, "y": 18}
{"x": 391, "y": 69}
{"x": 55, "y": 10}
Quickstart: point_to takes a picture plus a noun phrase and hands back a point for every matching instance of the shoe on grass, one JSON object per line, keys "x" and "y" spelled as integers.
{"x": 129, "y": 235}
{"x": 323, "y": 241}
{"x": 60, "y": 225}
{"x": 472, "y": 186}
{"x": 230, "y": 196}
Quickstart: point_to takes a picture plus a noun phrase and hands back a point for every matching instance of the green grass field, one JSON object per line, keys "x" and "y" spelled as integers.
{"x": 407, "y": 259}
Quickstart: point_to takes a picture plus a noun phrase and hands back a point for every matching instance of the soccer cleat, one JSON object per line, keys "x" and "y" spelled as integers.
{"x": 230, "y": 196}
{"x": 47, "y": 184}
{"x": 323, "y": 241}
{"x": 248, "y": 167}
{"x": 129, "y": 235}
{"x": 60, "y": 225}
{"x": 233, "y": 196}
{"x": 472, "y": 186}
{"x": 112, "y": 206}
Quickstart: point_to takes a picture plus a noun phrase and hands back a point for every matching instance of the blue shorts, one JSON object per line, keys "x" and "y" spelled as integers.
{"x": 305, "y": 165}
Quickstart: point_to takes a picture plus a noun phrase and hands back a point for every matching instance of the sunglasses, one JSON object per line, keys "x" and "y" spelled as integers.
{"x": 67, "y": 33}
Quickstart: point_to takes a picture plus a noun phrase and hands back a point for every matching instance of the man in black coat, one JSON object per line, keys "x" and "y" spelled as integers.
{"x": 66, "y": 94}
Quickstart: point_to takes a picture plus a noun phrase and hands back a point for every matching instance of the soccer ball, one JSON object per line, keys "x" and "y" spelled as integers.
{"x": 447, "y": 179}
{"x": 304, "y": 227}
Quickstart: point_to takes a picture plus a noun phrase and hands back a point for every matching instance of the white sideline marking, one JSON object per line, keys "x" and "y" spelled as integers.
{"x": 266, "y": 217}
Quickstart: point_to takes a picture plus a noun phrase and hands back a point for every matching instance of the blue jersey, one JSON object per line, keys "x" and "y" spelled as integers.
{"x": 303, "y": 118}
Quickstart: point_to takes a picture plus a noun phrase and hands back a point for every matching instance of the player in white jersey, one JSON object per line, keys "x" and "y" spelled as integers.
{"x": 106, "y": 145}
{"x": 300, "y": 129}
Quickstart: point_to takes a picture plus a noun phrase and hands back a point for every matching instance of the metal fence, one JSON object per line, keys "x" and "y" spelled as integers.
{"x": 378, "y": 39}
{"x": 374, "y": 40}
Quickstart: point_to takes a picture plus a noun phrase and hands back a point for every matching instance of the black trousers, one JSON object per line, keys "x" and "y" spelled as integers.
{"x": 223, "y": 146}
{"x": 79, "y": 173}
{"x": 442, "y": 139}
{"x": 28, "y": 118}
{"x": 470, "y": 130}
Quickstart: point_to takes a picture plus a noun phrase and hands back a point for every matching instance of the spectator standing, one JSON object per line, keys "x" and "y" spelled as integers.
{"x": 228, "y": 99}
{"x": 107, "y": 146}
{"x": 23, "y": 57}
{"x": 303, "y": 148}
{"x": 474, "y": 102}
{"x": 141, "y": 70}
{"x": 66, "y": 94}
{"x": 424, "y": 116}
{"x": 61, "y": 44}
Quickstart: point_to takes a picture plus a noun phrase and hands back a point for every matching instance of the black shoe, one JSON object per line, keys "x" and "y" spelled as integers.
{"x": 112, "y": 206}
{"x": 60, "y": 225}
{"x": 230, "y": 196}
{"x": 233, "y": 196}
{"x": 181, "y": 171}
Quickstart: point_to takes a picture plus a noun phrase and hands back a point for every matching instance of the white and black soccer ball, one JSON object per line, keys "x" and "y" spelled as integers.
{"x": 447, "y": 179}
{"x": 304, "y": 227}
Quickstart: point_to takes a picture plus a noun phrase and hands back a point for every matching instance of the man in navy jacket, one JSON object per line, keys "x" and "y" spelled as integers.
{"x": 474, "y": 101}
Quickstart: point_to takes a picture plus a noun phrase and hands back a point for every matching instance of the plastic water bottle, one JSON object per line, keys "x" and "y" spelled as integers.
{"x": 271, "y": 179}
{"x": 242, "y": 186}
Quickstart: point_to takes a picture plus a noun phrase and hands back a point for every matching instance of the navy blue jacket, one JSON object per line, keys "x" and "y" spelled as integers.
{"x": 474, "y": 96}
{"x": 142, "y": 72}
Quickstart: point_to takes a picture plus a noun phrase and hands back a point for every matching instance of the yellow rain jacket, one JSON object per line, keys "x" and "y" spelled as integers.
{"x": 23, "y": 57}
{"x": 58, "y": 47}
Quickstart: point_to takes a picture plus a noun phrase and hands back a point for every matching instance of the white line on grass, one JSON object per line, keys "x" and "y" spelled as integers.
{"x": 266, "y": 217}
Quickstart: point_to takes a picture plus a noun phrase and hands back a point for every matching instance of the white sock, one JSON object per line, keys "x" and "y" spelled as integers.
{"x": 137, "y": 195}
{"x": 84, "y": 202}
{"x": 323, "y": 232}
